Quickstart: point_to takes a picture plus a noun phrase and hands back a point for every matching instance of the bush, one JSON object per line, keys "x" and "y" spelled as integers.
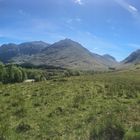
{"x": 22, "y": 127}
{"x": 109, "y": 129}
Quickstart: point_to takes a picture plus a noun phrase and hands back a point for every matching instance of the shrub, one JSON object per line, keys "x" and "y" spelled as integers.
{"x": 109, "y": 129}
{"x": 23, "y": 127}
{"x": 2, "y": 72}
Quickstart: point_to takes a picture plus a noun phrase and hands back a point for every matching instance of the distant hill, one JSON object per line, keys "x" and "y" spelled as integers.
{"x": 65, "y": 53}
{"x": 110, "y": 58}
{"x": 131, "y": 62}
{"x": 133, "y": 58}
{"x": 106, "y": 60}
{"x": 30, "y": 48}
{"x": 9, "y": 51}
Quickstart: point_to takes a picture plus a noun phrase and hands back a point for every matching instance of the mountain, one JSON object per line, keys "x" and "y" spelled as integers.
{"x": 132, "y": 62}
{"x": 10, "y": 51}
{"x": 110, "y": 60}
{"x": 109, "y": 57}
{"x": 106, "y": 59}
{"x": 30, "y": 48}
{"x": 133, "y": 58}
{"x": 67, "y": 54}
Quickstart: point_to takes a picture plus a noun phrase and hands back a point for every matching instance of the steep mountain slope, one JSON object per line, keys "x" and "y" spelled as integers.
{"x": 109, "y": 57}
{"x": 131, "y": 62}
{"x": 106, "y": 60}
{"x": 9, "y": 51}
{"x": 29, "y": 48}
{"x": 68, "y": 54}
{"x": 133, "y": 58}
{"x": 110, "y": 60}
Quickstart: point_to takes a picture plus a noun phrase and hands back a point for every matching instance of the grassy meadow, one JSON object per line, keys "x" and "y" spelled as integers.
{"x": 88, "y": 107}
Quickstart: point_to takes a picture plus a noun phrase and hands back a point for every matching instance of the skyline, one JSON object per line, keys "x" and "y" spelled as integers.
{"x": 103, "y": 27}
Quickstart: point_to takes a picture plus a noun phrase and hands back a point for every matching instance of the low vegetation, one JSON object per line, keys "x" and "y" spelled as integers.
{"x": 86, "y": 107}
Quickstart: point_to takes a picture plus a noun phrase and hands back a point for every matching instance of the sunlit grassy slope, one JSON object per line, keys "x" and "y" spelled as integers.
{"x": 91, "y": 107}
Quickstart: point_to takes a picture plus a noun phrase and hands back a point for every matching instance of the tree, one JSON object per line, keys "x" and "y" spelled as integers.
{"x": 2, "y": 72}
{"x": 13, "y": 74}
{"x": 24, "y": 74}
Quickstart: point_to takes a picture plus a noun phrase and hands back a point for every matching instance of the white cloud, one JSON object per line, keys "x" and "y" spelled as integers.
{"x": 133, "y": 8}
{"x": 78, "y": 2}
{"x": 130, "y": 8}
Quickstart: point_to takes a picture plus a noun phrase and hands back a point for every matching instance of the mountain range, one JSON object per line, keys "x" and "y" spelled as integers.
{"x": 65, "y": 53}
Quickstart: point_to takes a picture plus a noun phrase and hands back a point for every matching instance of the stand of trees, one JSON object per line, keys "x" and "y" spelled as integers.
{"x": 15, "y": 74}
{"x": 11, "y": 73}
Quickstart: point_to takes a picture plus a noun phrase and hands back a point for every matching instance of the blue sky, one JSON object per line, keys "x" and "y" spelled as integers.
{"x": 102, "y": 26}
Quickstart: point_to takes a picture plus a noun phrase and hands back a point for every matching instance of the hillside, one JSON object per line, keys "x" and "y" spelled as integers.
{"x": 89, "y": 107}
{"x": 10, "y": 51}
{"x": 106, "y": 60}
{"x": 131, "y": 62}
{"x": 68, "y": 54}
{"x": 133, "y": 58}
{"x": 30, "y": 48}
{"x": 110, "y": 59}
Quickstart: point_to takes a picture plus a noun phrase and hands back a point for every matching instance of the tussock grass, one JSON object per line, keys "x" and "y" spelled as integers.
{"x": 88, "y": 107}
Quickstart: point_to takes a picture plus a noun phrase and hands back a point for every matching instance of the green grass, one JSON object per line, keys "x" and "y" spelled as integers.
{"x": 88, "y": 107}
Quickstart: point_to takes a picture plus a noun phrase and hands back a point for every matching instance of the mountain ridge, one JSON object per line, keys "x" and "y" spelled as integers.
{"x": 64, "y": 53}
{"x": 11, "y": 50}
{"x": 68, "y": 54}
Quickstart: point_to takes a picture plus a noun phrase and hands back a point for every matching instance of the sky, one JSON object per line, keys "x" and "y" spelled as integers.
{"x": 102, "y": 26}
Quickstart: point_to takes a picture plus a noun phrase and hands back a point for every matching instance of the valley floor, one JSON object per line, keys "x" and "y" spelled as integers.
{"x": 89, "y": 107}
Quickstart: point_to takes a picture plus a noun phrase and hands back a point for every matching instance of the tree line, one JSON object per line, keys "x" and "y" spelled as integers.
{"x": 14, "y": 74}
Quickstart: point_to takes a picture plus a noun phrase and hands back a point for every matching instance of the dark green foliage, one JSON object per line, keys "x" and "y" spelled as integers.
{"x": 107, "y": 129}
{"x": 24, "y": 74}
{"x": 22, "y": 127}
{"x": 13, "y": 74}
{"x": 36, "y": 75}
{"x": 112, "y": 68}
{"x": 2, "y": 72}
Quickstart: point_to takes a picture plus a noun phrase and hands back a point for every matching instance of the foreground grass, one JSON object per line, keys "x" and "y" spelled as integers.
{"x": 90, "y": 107}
